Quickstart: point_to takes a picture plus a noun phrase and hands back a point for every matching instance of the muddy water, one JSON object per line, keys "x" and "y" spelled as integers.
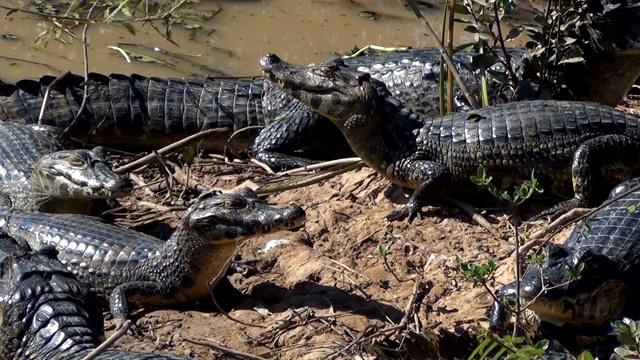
{"x": 230, "y": 43}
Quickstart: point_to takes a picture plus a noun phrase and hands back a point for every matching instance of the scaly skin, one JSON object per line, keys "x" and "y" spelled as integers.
{"x": 577, "y": 310}
{"x": 46, "y": 313}
{"x": 606, "y": 245}
{"x": 582, "y": 143}
{"x": 136, "y": 112}
{"x": 151, "y": 112}
{"x": 38, "y": 175}
{"x": 134, "y": 269}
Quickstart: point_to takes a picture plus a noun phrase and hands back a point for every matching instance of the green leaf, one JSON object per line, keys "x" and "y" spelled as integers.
{"x": 474, "y": 117}
{"x": 585, "y": 355}
{"x": 263, "y": 312}
{"x": 383, "y": 249}
{"x": 460, "y": 9}
{"x": 505, "y": 195}
{"x": 483, "y": 61}
{"x": 189, "y": 154}
{"x": 514, "y": 33}
{"x": 129, "y": 28}
{"x": 632, "y": 208}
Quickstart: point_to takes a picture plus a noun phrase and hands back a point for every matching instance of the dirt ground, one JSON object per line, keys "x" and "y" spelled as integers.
{"x": 346, "y": 285}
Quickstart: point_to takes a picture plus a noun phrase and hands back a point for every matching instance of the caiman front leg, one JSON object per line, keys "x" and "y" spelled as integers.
{"x": 136, "y": 292}
{"x": 427, "y": 177}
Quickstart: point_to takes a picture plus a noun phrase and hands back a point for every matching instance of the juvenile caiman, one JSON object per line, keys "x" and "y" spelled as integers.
{"x": 153, "y": 112}
{"x": 134, "y": 269}
{"x": 564, "y": 142}
{"x": 46, "y": 313}
{"x": 37, "y": 174}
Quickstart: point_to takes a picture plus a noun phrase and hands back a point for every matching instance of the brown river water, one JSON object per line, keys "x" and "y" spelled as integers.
{"x": 229, "y": 43}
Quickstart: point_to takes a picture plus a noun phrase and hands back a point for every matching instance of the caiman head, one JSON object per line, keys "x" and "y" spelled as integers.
{"x": 212, "y": 229}
{"x": 237, "y": 216}
{"x": 573, "y": 287}
{"x": 332, "y": 89}
{"x": 68, "y": 180}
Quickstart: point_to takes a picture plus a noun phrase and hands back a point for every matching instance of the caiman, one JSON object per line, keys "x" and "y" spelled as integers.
{"x": 37, "y": 174}
{"x": 139, "y": 113}
{"x": 562, "y": 142}
{"x": 134, "y": 111}
{"x": 590, "y": 279}
{"x": 46, "y": 313}
{"x": 134, "y": 269}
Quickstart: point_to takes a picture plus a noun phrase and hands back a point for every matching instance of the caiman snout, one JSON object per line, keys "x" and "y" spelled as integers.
{"x": 268, "y": 60}
{"x": 240, "y": 215}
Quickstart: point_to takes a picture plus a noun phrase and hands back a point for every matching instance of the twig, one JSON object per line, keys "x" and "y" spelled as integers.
{"x": 264, "y": 166}
{"x": 475, "y": 216}
{"x": 47, "y": 93}
{"x": 409, "y": 309}
{"x": 167, "y": 150}
{"x": 307, "y": 180}
{"x": 225, "y": 350}
{"x": 85, "y": 95}
{"x": 179, "y": 175}
{"x": 53, "y": 68}
{"x": 321, "y": 165}
{"x": 110, "y": 341}
{"x": 447, "y": 58}
{"x": 168, "y": 177}
{"x": 141, "y": 184}
{"x": 220, "y": 274}
{"x": 563, "y": 220}
{"x": 228, "y": 316}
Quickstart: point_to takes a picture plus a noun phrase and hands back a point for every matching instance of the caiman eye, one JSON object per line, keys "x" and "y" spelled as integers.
{"x": 75, "y": 160}
{"x": 235, "y": 203}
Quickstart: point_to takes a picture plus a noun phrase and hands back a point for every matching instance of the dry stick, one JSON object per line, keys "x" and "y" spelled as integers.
{"x": 85, "y": 53}
{"x": 288, "y": 185}
{"x": 566, "y": 218}
{"x": 141, "y": 184}
{"x": 181, "y": 177}
{"x": 168, "y": 177}
{"x": 225, "y": 350}
{"x": 53, "y": 68}
{"x": 264, "y": 166}
{"x": 320, "y": 165}
{"x": 215, "y": 302}
{"x": 475, "y": 216}
{"x": 452, "y": 4}
{"x": 447, "y": 58}
{"x": 228, "y": 316}
{"x": 403, "y": 322}
{"x": 45, "y": 99}
{"x": 110, "y": 341}
{"x": 167, "y": 150}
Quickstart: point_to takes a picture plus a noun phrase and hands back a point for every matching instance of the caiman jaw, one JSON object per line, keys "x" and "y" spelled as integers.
{"x": 82, "y": 174}
{"x": 240, "y": 216}
{"x": 331, "y": 88}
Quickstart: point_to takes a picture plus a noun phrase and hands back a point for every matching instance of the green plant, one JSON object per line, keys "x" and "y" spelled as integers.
{"x": 515, "y": 345}
{"x": 627, "y": 332}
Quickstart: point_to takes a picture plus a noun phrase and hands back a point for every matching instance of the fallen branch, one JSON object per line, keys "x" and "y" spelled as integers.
{"x": 167, "y": 150}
